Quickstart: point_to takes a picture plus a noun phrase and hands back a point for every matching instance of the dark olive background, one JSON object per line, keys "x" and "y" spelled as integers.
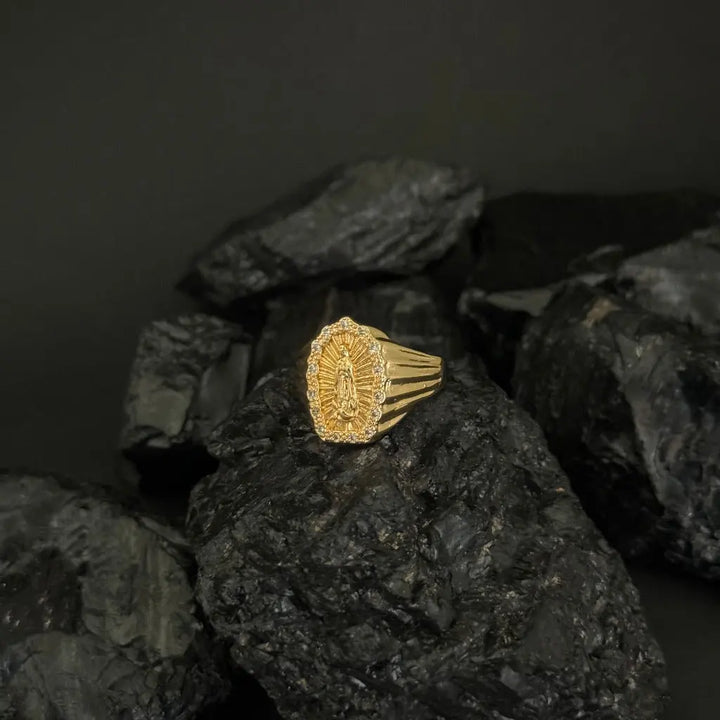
{"x": 131, "y": 132}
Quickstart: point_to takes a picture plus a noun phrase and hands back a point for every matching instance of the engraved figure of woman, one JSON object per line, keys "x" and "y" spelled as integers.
{"x": 345, "y": 392}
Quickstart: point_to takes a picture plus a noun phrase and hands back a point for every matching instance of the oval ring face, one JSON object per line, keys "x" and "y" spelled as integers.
{"x": 346, "y": 376}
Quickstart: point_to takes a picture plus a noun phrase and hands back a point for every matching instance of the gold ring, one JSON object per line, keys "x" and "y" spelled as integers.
{"x": 360, "y": 383}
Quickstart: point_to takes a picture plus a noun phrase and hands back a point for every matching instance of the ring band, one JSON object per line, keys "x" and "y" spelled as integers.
{"x": 360, "y": 383}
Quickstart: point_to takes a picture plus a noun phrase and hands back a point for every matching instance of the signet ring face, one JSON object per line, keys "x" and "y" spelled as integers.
{"x": 360, "y": 383}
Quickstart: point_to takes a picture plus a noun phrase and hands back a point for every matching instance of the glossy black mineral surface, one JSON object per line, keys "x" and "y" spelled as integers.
{"x": 679, "y": 280}
{"x": 97, "y": 618}
{"x": 186, "y": 374}
{"x": 630, "y": 403}
{"x": 391, "y": 216}
{"x": 447, "y": 571}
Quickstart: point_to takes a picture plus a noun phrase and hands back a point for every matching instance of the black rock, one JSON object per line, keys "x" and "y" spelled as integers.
{"x": 630, "y": 404}
{"x": 530, "y": 243}
{"x": 186, "y": 374}
{"x": 97, "y": 618}
{"x": 446, "y": 571}
{"x": 390, "y": 217}
{"x": 680, "y": 280}
{"x": 409, "y": 311}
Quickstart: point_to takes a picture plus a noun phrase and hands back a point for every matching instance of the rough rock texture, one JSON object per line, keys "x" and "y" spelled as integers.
{"x": 186, "y": 374}
{"x": 446, "y": 571}
{"x": 390, "y": 216}
{"x": 97, "y": 618}
{"x": 409, "y": 311}
{"x": 630, "y": 404}
{"x": 680, "y": 280}
{"x": 530, "y": 243}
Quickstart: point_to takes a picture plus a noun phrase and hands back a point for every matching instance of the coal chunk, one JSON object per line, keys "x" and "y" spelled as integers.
{"x": 389, "y": 216}
{"x": 446, "y": 571}
{"x": 409, "y": 311}
{"x": 97, "y": 618}
{"x": 630, "y": 404}
{"x": 680, "y": 280}
{"x": 186, "y": 374}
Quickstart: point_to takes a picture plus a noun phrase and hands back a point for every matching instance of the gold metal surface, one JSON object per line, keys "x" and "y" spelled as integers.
{"x": 360, "y": 383}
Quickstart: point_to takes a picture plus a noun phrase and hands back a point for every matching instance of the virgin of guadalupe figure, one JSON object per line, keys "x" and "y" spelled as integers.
{"x": 345, "y": 391}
